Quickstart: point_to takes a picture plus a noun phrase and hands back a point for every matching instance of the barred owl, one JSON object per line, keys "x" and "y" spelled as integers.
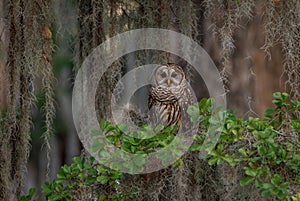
{"x": 169, "y": 96}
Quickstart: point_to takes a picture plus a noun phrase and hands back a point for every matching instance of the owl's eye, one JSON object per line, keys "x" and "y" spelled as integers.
{"x": 173, "y": 75}
{"x": 164, "y": 75}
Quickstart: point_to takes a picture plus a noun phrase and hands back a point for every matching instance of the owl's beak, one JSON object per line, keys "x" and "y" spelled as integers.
{"x": 169, "y": 82}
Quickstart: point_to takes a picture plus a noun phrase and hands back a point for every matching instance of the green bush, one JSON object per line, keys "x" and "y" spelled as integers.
{"x": 86, "y": 174}
{"x": 267, "y": 149}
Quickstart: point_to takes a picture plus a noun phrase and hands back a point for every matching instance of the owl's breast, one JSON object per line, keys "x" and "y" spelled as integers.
{"x": 164, "y": 107}
{"x": 161, "y": 94}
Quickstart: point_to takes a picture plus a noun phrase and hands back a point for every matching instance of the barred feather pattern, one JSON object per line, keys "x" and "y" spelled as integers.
{"x": 164, "y": 107}
{"x": 168, "y": 106}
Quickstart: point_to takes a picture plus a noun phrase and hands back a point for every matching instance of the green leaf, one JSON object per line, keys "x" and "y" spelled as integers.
{"x": 243, "y": 152}
{"x": 193, "y": 111}
{"x": 95, "y": 132}
{"x": 265, "y": 192}
{"x": 250, "y": 172}
{"x": 124, "y": 128}
{"x": 246, "y": 181}
{"x": 212, "y": 161}
{"x": 151, "y": 145}
{"x": 277, "y": 102}
{"x": 267, "y": 186}
{"x": 284, "y": 96}
{"x": 90, "y": 180}
{"x": 220, "y": 148}
{"x": 55, "y": 197}
{"x": 46, "y": 187}
{"x": 29, "y": 196}
{"x": 102, "y": 179}
{"x": 103, "y": 124}
{"x": 97, "y": 145}
{"x": 76, "y": 160}
{"x": 31, "y": 192}
{"x": 262, "y": 150}
{"x": 195, "y": 147}
{"x": 251, "y": 165}
{"x": 198, "y": 139}
{"x": 139, "y": 160}
{"x": 258, "y": 183}
{"x": 132, "y": 195}
{"x": 202, "y": 103}
{"x": 229, "y": 160}
{"x": 281, "y": 195}
{"x": 112, "y": 129}
{"x": 276, "y": 180}
{"x": 101, "y": 198}
{"x": 296, "y": 104}
{"x": 210, "y": 102}
{"x": 277, "y": 95}
{"x": 234, "y": 132}
{"x": 268, "y": 113}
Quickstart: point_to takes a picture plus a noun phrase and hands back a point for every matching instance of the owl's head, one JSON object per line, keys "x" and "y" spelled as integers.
{"x": 169, "y": 76}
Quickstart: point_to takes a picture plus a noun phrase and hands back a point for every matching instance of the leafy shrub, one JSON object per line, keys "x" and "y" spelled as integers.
{"x": 83, "y": 174}
{"x": 267, "y": 149}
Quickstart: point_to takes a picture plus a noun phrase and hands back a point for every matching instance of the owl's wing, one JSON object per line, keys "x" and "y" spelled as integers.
{"x": 150, "y": 101}
{"x": 152, "y": 109}
{"x": 185, "y": 102}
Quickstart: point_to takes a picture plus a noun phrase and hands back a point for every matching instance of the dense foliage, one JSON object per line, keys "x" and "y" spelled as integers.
{"x": 267, "y": 149}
